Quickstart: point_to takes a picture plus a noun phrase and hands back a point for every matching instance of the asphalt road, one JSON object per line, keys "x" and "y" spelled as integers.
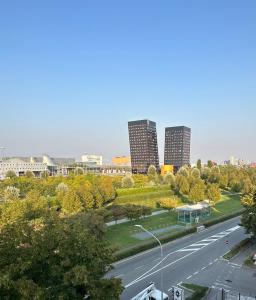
{"x": 183, "y": 259}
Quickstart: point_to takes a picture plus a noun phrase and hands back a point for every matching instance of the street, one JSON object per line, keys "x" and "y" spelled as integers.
{"x": 195, "y": 256}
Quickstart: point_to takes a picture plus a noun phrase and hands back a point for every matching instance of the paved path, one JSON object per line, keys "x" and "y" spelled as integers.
{"x": 125, "y": 220}
{"x": 195, "y": 258}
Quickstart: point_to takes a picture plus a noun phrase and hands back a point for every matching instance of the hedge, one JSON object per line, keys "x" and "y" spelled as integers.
{"x": 121, "y": 254}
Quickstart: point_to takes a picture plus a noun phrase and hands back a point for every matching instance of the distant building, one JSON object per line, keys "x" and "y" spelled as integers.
{"x": 177, "y": 146}
{"x": 166, "y": 169}
{"x": 20, "y": 167}
{"x": 143, "y": 145}
{"x": 253, "y": 165}
{"x": 121, "y": 161}
{"x": 91, "y": 159}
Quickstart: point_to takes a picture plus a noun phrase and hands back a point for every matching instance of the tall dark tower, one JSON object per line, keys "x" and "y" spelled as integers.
{"x": 143, "y": 145}
{"x": 177, "y": 146}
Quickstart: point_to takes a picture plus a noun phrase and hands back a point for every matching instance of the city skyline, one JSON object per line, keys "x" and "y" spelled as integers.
{"x": 71, "y": 83}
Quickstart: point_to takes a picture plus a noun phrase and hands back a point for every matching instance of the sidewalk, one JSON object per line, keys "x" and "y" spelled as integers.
{"x": 125, "y": 220}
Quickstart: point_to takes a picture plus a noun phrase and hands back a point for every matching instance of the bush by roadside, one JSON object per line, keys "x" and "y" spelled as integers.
{"x": 237, "y": 248}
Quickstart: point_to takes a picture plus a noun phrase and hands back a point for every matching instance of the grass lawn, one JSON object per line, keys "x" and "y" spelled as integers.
{"x": 121, "y": 235}
{"x": 199, "y": 291}
{"x": 237, "y": 248}
{"x": 148, "y": 199}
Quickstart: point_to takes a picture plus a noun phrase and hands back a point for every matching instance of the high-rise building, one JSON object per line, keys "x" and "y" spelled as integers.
{"x": 143, "y": 145}
{"x": 177, "y": 146}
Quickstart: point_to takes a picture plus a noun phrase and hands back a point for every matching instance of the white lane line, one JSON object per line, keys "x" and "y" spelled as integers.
{"x": 185, "y": 250}
{"x": 119, "y": 276}
{"x": 139, "y": 267}
{"x": 180, "y": 283}
{"x": 189, "y": 277}
{"x": 142, "y": 277}
{"x": 157, "y": 259}
{"x": 203, "y": 268}
{"x": 210, "y": 263}
{"x": 209, "y": 240}
{"x": 196, "y": 272}
{"x": 147, "y": 274}
{"x": 200, "y": 244}
{"x": 215, "y": 260}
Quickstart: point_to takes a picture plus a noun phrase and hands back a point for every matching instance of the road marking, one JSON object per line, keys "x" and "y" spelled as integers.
{"x": 200, "y": 244}
{"x": 139, "y": 267}
{"x": 119, "y": 276}
{"x": 196, "y": 272}
{"x": 203, "y": 268}
{"x": 180, "y": 283}
{"x": 209, "y": 240}
{"x": 142, "y": 277}
{"x": 185, "y": 249}
{"x": 189, "y": 277}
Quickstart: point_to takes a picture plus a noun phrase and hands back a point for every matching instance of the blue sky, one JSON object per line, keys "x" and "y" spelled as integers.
{"x": 72, "y": 73}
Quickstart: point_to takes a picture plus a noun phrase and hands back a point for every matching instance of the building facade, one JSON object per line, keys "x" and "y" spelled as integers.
{"x": 143, "y": 145}
{"x": 20, "y": 167}
{"x": 121, "y": 161}
{"x": 92, "y": 159}
{"x": 177, "y": 146}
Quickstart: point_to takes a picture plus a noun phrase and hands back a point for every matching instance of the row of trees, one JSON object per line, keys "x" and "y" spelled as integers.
{"x": 53, "y": 246}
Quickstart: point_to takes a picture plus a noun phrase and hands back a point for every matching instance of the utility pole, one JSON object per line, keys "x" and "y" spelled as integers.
{"x": 2, "y": 153}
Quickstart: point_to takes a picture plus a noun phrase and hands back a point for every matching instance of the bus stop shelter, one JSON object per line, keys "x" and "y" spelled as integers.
{"x": 193, "y": 213}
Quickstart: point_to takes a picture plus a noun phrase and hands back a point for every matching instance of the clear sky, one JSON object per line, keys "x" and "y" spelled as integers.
{"x": 72, "y": 73}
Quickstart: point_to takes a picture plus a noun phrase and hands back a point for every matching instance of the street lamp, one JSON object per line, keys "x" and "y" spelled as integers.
{"x": 161, "y": 249}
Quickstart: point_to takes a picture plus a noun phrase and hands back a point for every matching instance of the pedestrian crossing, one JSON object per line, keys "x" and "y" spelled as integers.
{"x": 207, "y": 241}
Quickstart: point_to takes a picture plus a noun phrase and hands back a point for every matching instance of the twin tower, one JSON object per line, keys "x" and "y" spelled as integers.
{"x": 144, "y": 148}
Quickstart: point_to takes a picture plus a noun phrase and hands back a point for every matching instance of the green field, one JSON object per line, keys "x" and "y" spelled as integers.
{"x": 147, "y": 196}
{"x": 121, "y": 235}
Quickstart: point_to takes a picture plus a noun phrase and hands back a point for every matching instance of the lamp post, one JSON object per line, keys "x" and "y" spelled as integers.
{"x": 161, "y": 249}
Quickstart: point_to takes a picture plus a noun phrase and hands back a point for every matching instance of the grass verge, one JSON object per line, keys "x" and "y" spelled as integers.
{"x": 149, "y": 244}
{"x": 199, "y": 291}
{"x": 237, "y": 248}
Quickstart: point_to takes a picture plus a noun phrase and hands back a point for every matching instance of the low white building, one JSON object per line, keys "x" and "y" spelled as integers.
{"x": 92, "y": 159}
{"x": 20, "y": 167}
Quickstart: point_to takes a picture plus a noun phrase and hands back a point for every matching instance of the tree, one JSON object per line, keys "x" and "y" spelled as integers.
{"x": 29, "y": 174}
{"x": 195, "y": 173}
{"x": 184, "y": 171}
{"x": 127, "y": 181}
{"x": 169, "y": 178}
{"x": 10, "y": 174}
{"x": 247, "y": 186}
{"x": 133, "y": 212}
{"x": 71, "y": 203}
{"x": 152, "y": 173}
{"x": 197, "y": 192}
{"x": 117, "y": 212}
{"x": 59, "y": 260}
{"x": 213, "y": 193}
{"x": 45, "y": 174}
{"x": 199, "y": 164}
{"x": 182, "y": 184}
{"x": 11, "y": 193}
{"x": 61, "y": 188}
{"x": 169, "y": 203}
{"x": 248, "y": 219}
{"x": 78, "y": 171}
{"x": 209, "y": 163}
{"x": 223, "y": 182}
